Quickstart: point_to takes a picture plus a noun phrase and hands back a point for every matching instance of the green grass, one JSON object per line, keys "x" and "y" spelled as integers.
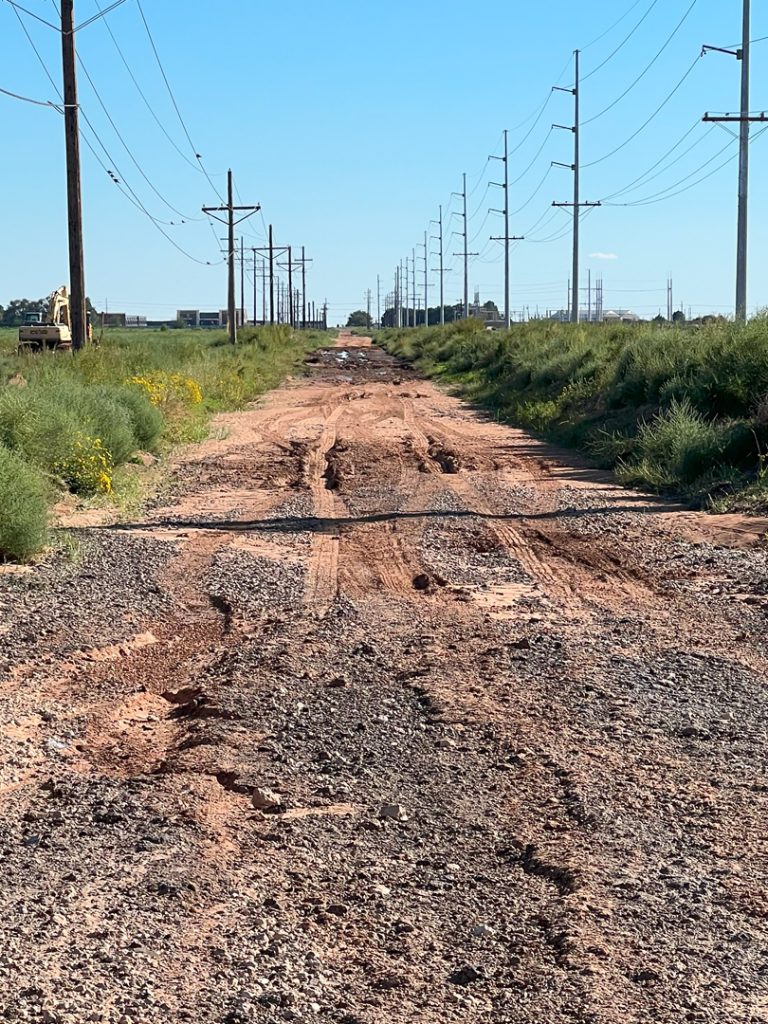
{"x": 71, "y": 422}
{"x": 680, "y": 410}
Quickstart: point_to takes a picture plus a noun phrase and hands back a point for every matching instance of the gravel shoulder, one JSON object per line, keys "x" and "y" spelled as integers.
{"x": 388, "y": 714}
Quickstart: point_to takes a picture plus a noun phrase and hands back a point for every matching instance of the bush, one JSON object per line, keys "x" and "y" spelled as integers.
{"x": 23, "y": 507}
{"x": 146, "y": 419}
{"x": 674, "y": 408}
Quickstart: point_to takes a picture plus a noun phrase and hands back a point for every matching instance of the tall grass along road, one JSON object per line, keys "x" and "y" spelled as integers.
{"x": 674, "y": 409}
{"x": 71, "y": 425}
{"x": 385, "y": 711}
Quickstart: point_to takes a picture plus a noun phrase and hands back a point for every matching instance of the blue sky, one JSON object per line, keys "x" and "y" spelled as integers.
{"x": 351, "y": 122}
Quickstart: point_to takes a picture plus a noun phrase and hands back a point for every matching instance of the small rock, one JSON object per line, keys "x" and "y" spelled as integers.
{"x": 465, "y": 976}
{"x": 482, "y": 930}
{"x": 263, "y": 799}
{"x": 394, "y": 812}
{"x": 421, "y": 582}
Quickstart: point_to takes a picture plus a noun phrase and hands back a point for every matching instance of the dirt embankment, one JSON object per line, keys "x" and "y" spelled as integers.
{"x": 391, "y": 714}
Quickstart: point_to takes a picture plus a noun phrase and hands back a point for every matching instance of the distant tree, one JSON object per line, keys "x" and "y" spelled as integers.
{"x": 359, "y": 319}
{"x": 16, "y": 310}
{"x": 492, "y": 310}
{"x": 678, "y": 317}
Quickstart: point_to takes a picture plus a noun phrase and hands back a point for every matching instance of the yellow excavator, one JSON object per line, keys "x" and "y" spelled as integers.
{"x": 55, "y": 334}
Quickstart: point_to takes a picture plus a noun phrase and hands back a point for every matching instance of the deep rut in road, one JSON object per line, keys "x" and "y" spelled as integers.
{"x": 390, "y": 714}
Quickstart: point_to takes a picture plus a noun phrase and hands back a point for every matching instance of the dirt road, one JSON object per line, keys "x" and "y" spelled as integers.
{"x": 389, "y": 714}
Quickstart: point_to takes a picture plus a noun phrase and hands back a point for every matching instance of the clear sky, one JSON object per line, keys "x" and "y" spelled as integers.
{"x": 350, "y": 122}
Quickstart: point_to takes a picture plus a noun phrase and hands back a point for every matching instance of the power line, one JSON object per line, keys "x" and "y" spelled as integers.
{"x": 198, "y": 157}
{"x": 644, "y": 178}
{"x": 26, "y": 99}
{"x": 18, "y": 7}
{"x": 622, "y": 44}
{"x": 126, "y": 147}
{"x": 148, "y": 105}
{"x": 123, "y": 186}
{"x": 645, "y": 124}
{"x": 616, "y": 24}
{"x": 654, "y": 197}
{"x": 646, "y": 69}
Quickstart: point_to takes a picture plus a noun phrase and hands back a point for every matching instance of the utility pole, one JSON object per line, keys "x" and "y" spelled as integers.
{"x": 303, "y": 289}
{"x": 426, "y": 279}
{"x": 439, "y": 222}
{"x": 407, "y": 295}
{"x": 230, "y": 209}
{"x": 368, "y": 305}
{"x": 78, "y": 310}
{"x": 506, "y": 238}
{"x": 744, "y": 120}
{"x": 271, "y": 278}
{"x": 378, "y": 301}
{"x": 255, "y": 286}
{"x": 271, "y": 252}
{"x": 290, "y": 287}
{"x": 413, "y": 270}
{"x": 576, "y": 168}
{"x": 242, "y": 282}
{"x": 466, "y": 254}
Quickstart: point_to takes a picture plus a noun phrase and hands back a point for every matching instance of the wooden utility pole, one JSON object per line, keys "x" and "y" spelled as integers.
{"x": 77, "y": 299}
{"x": 230, "y": 209}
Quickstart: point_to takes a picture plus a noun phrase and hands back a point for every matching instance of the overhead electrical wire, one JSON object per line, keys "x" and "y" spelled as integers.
{"x": 649, "y": 176}
{"x": 18, "y": 7}
{"x": 662, "y": 195}
{"x": 122, "y": 185}
{"x": 184, "y": 216}
{"x": 182, "y": 122}
{"x": 26, "y": 99}
{"x": 622, "y": 44}
{"x": 645, "y": 124}
{"x": 608, "y": 31}
{"x": 646, "y": 69}
{"x": 192, "y": 163}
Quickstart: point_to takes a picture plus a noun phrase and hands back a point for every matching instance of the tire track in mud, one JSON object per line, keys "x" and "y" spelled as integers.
{"x": 323, "y": 565}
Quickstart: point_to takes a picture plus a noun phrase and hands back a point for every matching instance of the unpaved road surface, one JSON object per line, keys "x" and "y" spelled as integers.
{"x": 389, "y": 714}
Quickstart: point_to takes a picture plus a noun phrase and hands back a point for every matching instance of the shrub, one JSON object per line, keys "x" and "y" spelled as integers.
{"x": 88, "y": 467}
{"x": 23, "y": 507}
{"x": 146, "y": 419}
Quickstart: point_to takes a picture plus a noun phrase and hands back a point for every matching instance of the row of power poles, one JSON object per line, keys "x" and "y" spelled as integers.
{"x": 405, "y": 315}
{"x": 229, "y": 214}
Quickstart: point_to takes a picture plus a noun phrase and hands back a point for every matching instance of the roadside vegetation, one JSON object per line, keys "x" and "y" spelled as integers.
{"x": 76, "y": 424}
{"x": 672, "y": 409}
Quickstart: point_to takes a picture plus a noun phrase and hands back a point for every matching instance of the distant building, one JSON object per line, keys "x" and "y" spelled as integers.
{"x": 198, "y": 318}
{"x": 113, "y": 319}
{"x": 620, "y": 316}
